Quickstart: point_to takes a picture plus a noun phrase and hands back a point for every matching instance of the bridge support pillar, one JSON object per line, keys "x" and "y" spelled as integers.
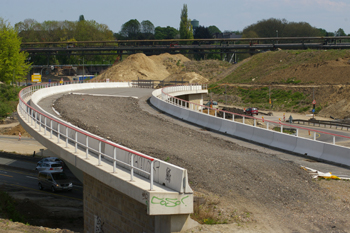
{"x": 108, "y": 210}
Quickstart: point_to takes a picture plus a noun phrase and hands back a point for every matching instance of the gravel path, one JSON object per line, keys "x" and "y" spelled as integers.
{"x": 256, "y": 190}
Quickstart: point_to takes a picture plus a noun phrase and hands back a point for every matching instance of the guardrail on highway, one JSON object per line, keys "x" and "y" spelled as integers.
{"x": 154, "y": 170}
{"x": 195, "y": 113}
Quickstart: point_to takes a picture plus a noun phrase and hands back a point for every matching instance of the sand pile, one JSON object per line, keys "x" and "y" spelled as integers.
{"x": 156, "y": 67}
{"x": 191, "y": 77}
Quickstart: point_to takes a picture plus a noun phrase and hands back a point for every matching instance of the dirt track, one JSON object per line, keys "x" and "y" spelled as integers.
{"x": 257, "y": 190}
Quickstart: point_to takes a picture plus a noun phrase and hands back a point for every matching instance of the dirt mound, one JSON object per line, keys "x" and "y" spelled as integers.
{"x": 209, "y": 69}
{"x": 191, "y": 77}
{"x": 15, "y": 131}
{"x": 156, "y": 67}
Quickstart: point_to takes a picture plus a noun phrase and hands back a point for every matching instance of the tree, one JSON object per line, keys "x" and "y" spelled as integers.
{"x": 270, "y": 28}
{"x": 213, "y": 29}
{"x": 168, "y": 32}
{"x": 202, "y": 32}
{"x": 147, "y": 27}
{"x": 250, "y": 34}
{"x": 81, "y": 18}
{"x": 131, "y": 29}
{"x": 50, "y": 31}
{"x": 13, "y": 64}
{"x": 341, "y": 32}
{"x": 186, "y": 31}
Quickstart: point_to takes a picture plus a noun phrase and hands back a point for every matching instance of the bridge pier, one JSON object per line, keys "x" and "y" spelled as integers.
{"x": 108, "y": 210}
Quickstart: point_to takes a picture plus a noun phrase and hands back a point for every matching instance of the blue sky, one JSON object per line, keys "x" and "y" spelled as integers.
{"x": 225, "y": 14}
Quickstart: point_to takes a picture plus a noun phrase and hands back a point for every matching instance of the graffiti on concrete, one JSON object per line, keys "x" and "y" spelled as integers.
{"x": 168, "y": 202}
{"x": 168, "y": 174}
{"x": 98, "y": 224}
{"x": 145, "y": 198}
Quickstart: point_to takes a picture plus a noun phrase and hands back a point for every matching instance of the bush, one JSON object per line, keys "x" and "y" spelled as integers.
{"x": 8, "y": 99}
{"x": 8, "y": 208}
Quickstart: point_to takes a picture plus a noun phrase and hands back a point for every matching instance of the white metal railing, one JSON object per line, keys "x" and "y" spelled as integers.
{"x": 119, "y": 155}
{"x": 165, "y": 96}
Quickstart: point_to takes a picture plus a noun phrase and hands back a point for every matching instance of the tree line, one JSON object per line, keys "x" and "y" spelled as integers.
{"x": 282, "y": 28}
{"x": 14, "y": 65}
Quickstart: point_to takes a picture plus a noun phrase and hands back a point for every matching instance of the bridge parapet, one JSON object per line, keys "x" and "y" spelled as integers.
{"x": 161, "y": 186}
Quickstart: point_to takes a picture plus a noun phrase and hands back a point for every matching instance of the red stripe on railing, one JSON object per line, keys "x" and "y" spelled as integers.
{"x": 79, "y": 131}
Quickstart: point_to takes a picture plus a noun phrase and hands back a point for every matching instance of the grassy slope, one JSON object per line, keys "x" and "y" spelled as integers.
{"x": 262, "y": 65}
{"x": 272, "y": 68}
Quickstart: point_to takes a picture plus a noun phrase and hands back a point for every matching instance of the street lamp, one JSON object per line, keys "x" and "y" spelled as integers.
{"x": 277, "y": 32}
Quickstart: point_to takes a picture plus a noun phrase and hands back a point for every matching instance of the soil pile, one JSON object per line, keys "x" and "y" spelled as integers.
{"x": 14, "y": 131}
{"x": 156, "y": 67}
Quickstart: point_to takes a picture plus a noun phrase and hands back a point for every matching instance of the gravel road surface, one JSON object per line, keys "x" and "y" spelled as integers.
{"x": 255, "y": 191}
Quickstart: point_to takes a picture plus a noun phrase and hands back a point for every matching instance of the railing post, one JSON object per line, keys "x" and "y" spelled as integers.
{"x": 76, "y": 142}
{"x": 267, "y": 126}
{"x": 333, "y": 140}
{"x": 36, "y": 115}
{"x": 281, "y": 128}
{"x": 233, "y": 117}
{"x": 58, "y": 132}
{"x": 297, "y": 133}
{"x": 243, "y": 119}
{"x": 45, "y": 126}
{"x": 27, "y": 114}
{"x": 314, "y": 136}
{"x": 115, "y": 157}
{"x": 254, "y": 122}
{"x": 215, "y": 113}
{"x": 151, "y": 176}
{"x": 99, "y": 153}
{"x": 224, "y": 115}
{"x": 40, "y": 123}
{"x": 87, "y": 146}
{"x": 132, "y": 168}
{"x": 66, "y": 137}
{"x": 50, "y": 129}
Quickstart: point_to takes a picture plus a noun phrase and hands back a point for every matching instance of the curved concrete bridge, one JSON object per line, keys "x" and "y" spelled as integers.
{"x": 124, "y": 190}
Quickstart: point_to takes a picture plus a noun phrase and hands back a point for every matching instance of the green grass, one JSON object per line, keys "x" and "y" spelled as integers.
{"x": 260, "y": 97}
{"x": 8, "y": 208}
{"x": 8, "y": 99}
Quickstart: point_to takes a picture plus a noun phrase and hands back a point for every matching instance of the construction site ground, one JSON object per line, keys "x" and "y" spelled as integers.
{"x": 261, "y": 190}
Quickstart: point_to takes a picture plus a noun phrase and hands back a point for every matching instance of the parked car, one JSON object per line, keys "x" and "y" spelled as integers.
{"x": 50, "y": 167}
{"x": 252, "y": 111}
{"x": 214, "y": 104}
{"x": 57, "y": 181}
{"x": 51, "y": 159}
